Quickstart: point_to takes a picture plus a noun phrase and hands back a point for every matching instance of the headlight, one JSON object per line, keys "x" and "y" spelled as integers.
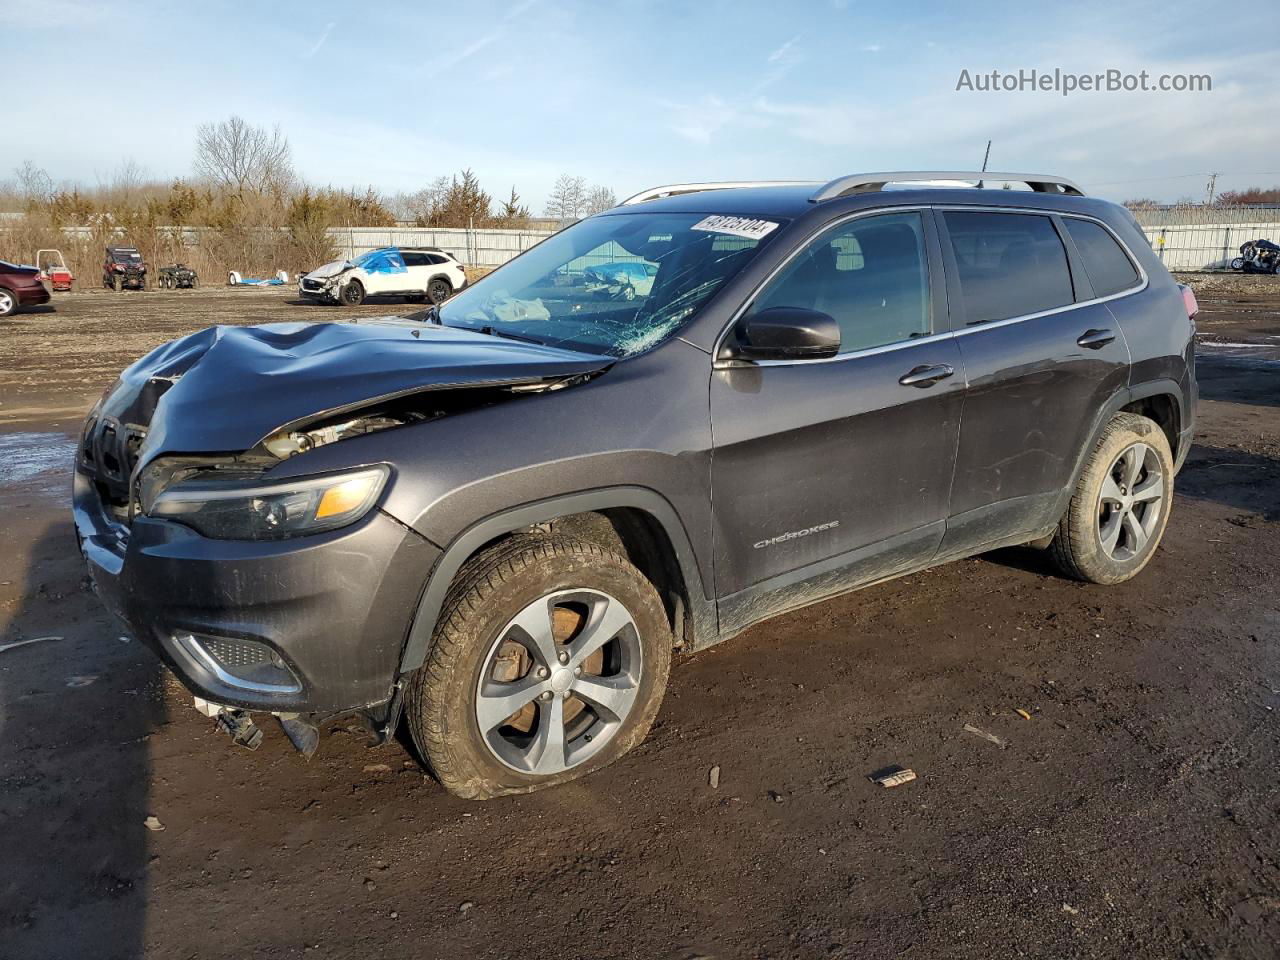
{"x": 232, "y": 509}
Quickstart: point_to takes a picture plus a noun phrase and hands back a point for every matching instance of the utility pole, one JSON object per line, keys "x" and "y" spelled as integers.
{"x": 1213, "y": 182}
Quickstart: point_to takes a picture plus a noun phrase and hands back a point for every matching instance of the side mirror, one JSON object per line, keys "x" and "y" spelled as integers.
{"x": 786, "y": 333}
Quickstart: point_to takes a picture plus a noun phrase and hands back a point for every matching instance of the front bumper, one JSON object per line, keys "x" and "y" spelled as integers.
{"x": 327, "y": 614}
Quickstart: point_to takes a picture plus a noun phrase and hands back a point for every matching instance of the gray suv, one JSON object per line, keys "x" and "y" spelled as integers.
{"x": 496, "y": 519}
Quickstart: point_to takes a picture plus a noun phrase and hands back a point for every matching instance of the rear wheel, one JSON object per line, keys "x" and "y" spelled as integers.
{"x": 549, "y": 661}
{"x": 1237, "y": 263}
{"x": 8, "y": 302}
{"x": 439, "y": 290}
{"x": 353, "y": 293}
{"x": 1121, "y": 504}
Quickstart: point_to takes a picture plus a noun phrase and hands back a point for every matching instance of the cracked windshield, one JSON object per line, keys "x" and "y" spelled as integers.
{"x": 614, "y": 285}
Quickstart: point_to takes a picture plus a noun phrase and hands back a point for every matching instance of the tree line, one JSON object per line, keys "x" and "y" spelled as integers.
{"x": 248, "y": 205}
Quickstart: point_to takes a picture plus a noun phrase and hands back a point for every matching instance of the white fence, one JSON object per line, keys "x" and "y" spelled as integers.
{"x": 1206, "y": 246}
{"x": 481, "y": 248}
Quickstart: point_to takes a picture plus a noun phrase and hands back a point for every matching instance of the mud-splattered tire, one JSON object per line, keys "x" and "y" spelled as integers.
{"x": 450, "y": 697}
{"x": 352, "y": 293}
{"x": 1120, "y": 507}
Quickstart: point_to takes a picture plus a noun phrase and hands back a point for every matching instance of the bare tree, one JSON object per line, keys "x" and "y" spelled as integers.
{"x": 568, "y": 197}
{"x": 244, "y": 158}
{"x": 598, "y": 200}
{"x": 35, "y": 186}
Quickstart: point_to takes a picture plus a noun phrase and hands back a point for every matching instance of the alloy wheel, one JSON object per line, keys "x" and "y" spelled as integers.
{"x": 1130, "y": 502}
{"x": 559, "y": 681}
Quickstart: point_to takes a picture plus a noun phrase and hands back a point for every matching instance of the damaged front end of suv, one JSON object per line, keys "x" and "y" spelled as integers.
{"x": 268, "y": 589}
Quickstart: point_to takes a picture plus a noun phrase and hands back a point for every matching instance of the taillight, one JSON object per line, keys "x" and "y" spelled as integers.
{"x": 1189, "y": 301}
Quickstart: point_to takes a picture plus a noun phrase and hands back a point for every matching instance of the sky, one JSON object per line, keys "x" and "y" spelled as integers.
{"x": 630, "y": 94}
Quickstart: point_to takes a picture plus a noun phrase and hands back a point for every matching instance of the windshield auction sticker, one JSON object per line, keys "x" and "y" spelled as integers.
{"x": 736, "y": 226}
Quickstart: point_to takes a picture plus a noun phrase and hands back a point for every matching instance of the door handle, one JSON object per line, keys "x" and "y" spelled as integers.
{"x": 1095, "y": 339}
{"x": 926, "y": 376}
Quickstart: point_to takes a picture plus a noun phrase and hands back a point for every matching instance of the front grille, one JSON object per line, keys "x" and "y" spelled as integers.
{"x": 313, "y": 285}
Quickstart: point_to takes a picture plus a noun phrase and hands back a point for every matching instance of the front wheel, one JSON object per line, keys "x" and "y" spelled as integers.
{"x": 1121, "y": 504}
{"x": 549, "y": 661}
{"x": 353, "y": 293}
{"x": 8, "y": 302}
{"x": 1237, "y": 263}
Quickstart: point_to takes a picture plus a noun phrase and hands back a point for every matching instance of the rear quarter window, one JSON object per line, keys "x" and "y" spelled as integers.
{"x": 1109, "y": 267}
{"x": 1010, "y": 264}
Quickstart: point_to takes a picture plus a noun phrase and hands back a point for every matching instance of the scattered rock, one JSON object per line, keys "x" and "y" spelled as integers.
{"x": 377, "y": 768}
{"x": 394, "y": 915}
{"x": 776, "y": 797}
{"x": 465, "y": 905}
{"x": 1067, "y": 908}
{"x": 714, "y": 778}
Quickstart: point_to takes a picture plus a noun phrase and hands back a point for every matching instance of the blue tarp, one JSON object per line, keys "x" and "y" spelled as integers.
{"x": 385, "y": 260}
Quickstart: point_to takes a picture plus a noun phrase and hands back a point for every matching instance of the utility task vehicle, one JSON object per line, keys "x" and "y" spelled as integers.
{"x": 499, "y": 518}
{"x": 124, "y": 267}
{"x": 415, "y": 273}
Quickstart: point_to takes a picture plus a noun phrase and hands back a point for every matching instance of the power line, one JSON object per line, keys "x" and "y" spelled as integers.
{"x": 1187, "y": 176}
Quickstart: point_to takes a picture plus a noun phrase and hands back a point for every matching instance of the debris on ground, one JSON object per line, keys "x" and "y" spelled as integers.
{"x": 1067, "y": 908}
{"x": 978, "y": 732}
{"x": 23, "y": 643}
{"x": 153, "y": 823}
{"x": 82, "y": 681}
{"x": 1022, "y": 713}
{"x": 377, "y": 768}
{"x": 893, "y": 776}
{"x": 714, "y": 778}
{"x": 465, "y": 906}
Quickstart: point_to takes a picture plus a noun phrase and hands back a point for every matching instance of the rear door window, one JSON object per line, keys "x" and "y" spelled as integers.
{"x": 1109, "y": 267}
{"x": 413, "y": 259}
{"x": 1010, "y": 264}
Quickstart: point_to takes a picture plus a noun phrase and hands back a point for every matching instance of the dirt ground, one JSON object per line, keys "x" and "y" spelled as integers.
{"x": 1136, "y": 813}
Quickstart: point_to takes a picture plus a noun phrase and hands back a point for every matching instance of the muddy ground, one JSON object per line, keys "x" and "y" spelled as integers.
{"x": 1136, "y": 813}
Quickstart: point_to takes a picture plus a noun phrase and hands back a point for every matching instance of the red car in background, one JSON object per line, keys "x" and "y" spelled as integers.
{"x": 20, "y": 286}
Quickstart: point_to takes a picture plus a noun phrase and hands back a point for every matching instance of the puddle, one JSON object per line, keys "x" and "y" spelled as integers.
{"x": 40, "y": 459}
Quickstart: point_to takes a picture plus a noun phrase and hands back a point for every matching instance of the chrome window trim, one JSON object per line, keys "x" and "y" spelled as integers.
{"x": 1143, "y": 283}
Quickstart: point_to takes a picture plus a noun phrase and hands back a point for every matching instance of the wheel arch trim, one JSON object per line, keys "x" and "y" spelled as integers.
{"x": 465, "y": 545}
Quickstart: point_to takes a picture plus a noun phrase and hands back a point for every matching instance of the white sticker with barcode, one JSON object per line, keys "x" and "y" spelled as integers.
{"x": 747, "y": 227}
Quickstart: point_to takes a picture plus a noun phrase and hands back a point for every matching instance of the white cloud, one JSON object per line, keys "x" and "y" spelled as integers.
{"x": 324, "y": 35}
{"x": 783, "y": 53}
{"x": 871, "y": 48}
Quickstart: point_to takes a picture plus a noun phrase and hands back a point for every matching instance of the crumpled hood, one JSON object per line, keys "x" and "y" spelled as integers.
{"x": 225, "y": 389}
{"x": 330, "y": 269}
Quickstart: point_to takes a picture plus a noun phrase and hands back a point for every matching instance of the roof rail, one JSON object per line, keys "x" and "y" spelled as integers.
{"x": 673, "y": 189}
{"x": 873, "y": 182}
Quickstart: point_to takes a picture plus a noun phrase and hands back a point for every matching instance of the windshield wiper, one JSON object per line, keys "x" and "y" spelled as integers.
{"x": 506, "y": 335}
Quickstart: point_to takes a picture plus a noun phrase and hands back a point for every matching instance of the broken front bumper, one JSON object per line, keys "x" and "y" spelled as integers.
{"x": 310, "y": 625}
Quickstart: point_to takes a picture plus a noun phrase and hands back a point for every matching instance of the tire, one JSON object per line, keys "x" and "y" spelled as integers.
{"x": 1108, "y": 533}
{"x": 1237, "y": 263}
{"x": 8, "y": 302}
{"x": 478, "y": 645}
{"x": 439, "y": 290}
{"x": 118, "y": 284}
{"x": 353, "y": 293}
